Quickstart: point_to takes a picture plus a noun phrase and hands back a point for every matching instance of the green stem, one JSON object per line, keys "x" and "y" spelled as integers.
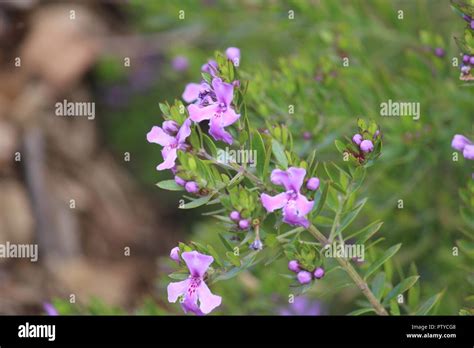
{"x": 361, "y": 284}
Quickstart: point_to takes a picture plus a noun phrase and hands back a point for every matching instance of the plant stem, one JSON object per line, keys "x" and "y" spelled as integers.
{"x": 361, "y": 284}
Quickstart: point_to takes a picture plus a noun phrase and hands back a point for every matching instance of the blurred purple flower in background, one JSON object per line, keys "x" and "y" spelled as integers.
{"x": 50, "y": 309}
{"x": 302, "y": 306}
{"x": 180, "y": 63}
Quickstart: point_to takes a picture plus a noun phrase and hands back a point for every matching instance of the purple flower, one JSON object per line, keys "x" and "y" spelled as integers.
{"x": 357, "y": 139}
{"x": 174, "y": 254}
{"x": 180, "y": 63}
{"x": 294, "y": 266}
{"x": 192, "y": 187}
{"x": 472, "y": 24}
{"x": 50, "y": 309}
{"x": 257, "y": 245}
{"x": 210, "y": 67}
{"x": 319, "y": 273}
{"x": 302, "y": 306}
{"x": 465, "y": 58}
{"x": 468, "y": 152}
{"x": 439, "y": 52}
{"x": 471, "y": 60}
{"x": 244, "y": 224}
{"x": 312, "y": 184}
{"x": 220, "y": 113}
{"x": 304, "y": 277}
{"x": 307, "y": 135}
{"x": 366, "y": 146}
{"x": 171, "y": 144}
{"x": 233, "y": 54}
{"x": 295, "y": 206}
{"x": 459, "y": 142}
{"x": 234, "y": 215}
{"x": 465, "y": 69}
{"x": 194, "y": 288}
{"x": 180, "y": 181}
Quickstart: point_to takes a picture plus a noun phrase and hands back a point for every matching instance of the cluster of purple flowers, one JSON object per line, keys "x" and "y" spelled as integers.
{"x": 294, "y": 205}
{"x": 464, "y": 145}
{"x": 468, "y": 64}
{"x": 242, "y": 223}
{"x": 208, "y": 102}
{"x": 304, "y": 276}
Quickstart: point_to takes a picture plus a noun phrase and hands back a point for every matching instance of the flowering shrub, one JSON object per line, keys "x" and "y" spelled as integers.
{"x": 281, "y": 205}
{"x": 465, "y": 8}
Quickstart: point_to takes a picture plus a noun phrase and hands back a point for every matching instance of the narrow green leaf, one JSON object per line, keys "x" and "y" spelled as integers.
{"x": 226, "y": 243}
{"x": 320, "y": 198}
{"x": 361, "y": 311}
{"x": 196, "y": 203}
{"x": 401, "y": 288}
{"x": 348, "y": 218}
{"x": 385, "y": 257}
{"x": 210, "y": 145}
{"x": 428, "y": 305}
{"x": 235, "y": 260}
{"x": 366, "y": 233}
{"x": 259, "y": 147}
{"x": 279, "y": 154}
{"x": 378, "y": 284}
{"x": 169, "y": 185}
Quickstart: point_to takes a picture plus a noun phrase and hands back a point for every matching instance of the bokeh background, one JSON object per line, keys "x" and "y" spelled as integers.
{"x": 107, "y": 168}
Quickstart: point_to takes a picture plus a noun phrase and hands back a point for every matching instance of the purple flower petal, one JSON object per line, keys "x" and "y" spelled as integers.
{"x": 293, "y": 216}
{"x": 191, "y": 92}
{"x": 273, "y": 203}
{"x": 177, "y": 289}
{"x": 303, "y": 204}
{"x": 216, "y": 129}
{"x": 224, "y": 91}
{"x": 198, "y": 114}
{"x": 233, "y": 54}
{"x": 158, "y": 136}
{"x": 184, "y": 131}
{"x": 210, "y": 67}
{"x": 291, "y": 179}
{"x": 169, "y": 157}
{"x": 197, "y": 263}
{"x": 207, "y": 300}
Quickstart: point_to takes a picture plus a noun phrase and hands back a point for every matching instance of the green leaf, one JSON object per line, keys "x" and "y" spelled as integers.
{"x": 235, "y": 260}
{"x": 169, "y": 185}
{"x": 340, "y": 146}
{"x": 394, "y": 310}
{"x": 401, "y": 288}
{"x": 367, "y": 232}
{"x": 320, "y": 198}
{"x": 210, "y": 145}
{"x": 428, "y": 305}
{"x": 259, "y": 147}
{"x": 226, "y": 243}
{"x": 361, "y": 311}
{"x": 279, "y": 154}
{"x": 385, "y": 257}
{"x": 196, "y": 203}
{"x": 179, "y": 275}
{"x": 165, "y": 109}
{"x": 214, "y": 254}
{"x": 378, "y": 284}
{"x": 347, "y": 220}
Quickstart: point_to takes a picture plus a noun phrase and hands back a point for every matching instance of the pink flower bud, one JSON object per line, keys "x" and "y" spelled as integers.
{"x": 174, "y": 254}
{"x": 357, "y": 139}
{"x": 304, "y": 277}
{"x": 234, "y": 216}
{"x": 179, "y": 181}
{"x": 170, "y": 127}
{"x": 294, "y": 266}
{"x": 313, "y": 184}
{"x": 319, "y": 273}
{"x": 244, "y": 224}
{"x": 192, "y": 187}
{"x": 366, "y": 146}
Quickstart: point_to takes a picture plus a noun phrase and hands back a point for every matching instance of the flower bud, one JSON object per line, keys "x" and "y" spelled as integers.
{"x": 304, "y": 277}
{"x": 319, "y": 273}
{"x": 179, "y": 181}
{"x": 357, "y": 139}
{"x": 439, "y": 52}
{"x": 313, "y": 184}
{"x": 192, "y": 187}
{"x": 471, "y": 60}
{"x": 257, "y": 244}
{"x": 174, "y": 254}
{"x": 294, "y": 266}
{"x": 465, "y": 58}
{"x": 468, "y": 152}
{"x": 366, "y": 146}
{"x": 234, "y": 216}
{"x": 459, "y": 142}
{"x": 170, "y": 127}
{"x": 244, "y": 224}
